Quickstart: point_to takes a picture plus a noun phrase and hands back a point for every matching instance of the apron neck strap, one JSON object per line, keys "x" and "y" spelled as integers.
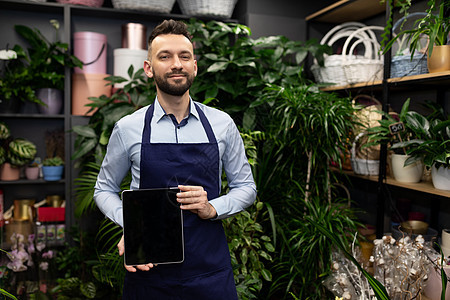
{"x": 146, "y": 134}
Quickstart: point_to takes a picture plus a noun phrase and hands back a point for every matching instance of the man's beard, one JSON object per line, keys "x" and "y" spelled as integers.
{"x": 173, "y": 89}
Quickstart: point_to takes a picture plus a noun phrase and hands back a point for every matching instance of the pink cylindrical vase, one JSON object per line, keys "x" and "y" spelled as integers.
{"x": 91, "y": 49}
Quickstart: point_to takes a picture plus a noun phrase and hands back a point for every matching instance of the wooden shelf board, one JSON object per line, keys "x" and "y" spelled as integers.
{"x": 423, "y": 186}
{"x": 348, "y": 10}
{"x": 372, "y": 84}
{"x": 439, "y": 78}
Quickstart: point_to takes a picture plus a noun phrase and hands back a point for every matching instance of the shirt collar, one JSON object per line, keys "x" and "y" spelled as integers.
{"x": 159, "y": 112}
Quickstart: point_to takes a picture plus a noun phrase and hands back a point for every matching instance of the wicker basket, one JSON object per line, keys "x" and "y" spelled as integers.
{"x": 363, "y": 166}
{"x": 333, "y": 70}
{"x": 363, "y": 68}
{"x": 92, "y": 3}
{"x": 207, "y": 8}
{"x": 158, "y": 6}
{"x": 402, "y": 65}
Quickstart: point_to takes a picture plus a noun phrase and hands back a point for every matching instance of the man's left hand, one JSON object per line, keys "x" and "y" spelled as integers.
{"x": 195, "y": 199}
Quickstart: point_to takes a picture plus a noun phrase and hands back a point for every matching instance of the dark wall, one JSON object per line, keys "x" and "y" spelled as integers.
{"x": 282, "y": 17}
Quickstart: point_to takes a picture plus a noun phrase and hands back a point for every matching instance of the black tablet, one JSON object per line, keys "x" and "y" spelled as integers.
{"x": 152, "y": 226}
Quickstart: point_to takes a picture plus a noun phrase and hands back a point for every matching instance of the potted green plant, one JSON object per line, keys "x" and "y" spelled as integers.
{"x": 393, "y": 129}
{"x": 45, "y": 65}
{"x": 32, "y": 169}
{"x": 14, "y": 81}
{"x": 434, "y": 25}
{"x": 52, "y": 168}
{"x": 432, "y": 146}
{"x": 14, "y": 153}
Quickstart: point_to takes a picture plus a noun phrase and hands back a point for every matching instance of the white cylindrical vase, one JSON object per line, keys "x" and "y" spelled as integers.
{"x": 124, "y": 58}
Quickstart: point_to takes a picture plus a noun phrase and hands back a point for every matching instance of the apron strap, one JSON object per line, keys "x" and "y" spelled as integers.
{"x": 206, "y": 125}
{"x": 147, "y": 121}
{"x": 146, "y": 134}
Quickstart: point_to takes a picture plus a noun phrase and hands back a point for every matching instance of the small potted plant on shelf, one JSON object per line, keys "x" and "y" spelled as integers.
{"x": 32, "y": 170}
{"x": 393, "y": 129}
{"x": 432, "y": 146}
{"x": 14, "y": 81}
{"x": 46, "y": 62}
{"x": 435, "y": 25}
{"x": 14, "y": 153}
{"x": 52, "y": 168}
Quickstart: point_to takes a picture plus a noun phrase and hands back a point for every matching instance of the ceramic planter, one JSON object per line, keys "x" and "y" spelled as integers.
{"x": 9, "y": 172}
{"x": 439, "y": 61}
{"x": 433, "y": 288}
{"x": 411, "y": 173}
{"x": 52, "y": 173}
{"x": 32, "y": 173}
{"x": 53, "y": 98}
{"x": 441, "y": 177}
{"x": 85, "y": 86}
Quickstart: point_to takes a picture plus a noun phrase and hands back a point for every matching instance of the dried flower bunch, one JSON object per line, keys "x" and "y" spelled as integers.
{"x": 401, "y": 266}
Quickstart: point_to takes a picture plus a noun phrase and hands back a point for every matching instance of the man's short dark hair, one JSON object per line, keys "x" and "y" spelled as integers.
{"x": 169, "y": 27}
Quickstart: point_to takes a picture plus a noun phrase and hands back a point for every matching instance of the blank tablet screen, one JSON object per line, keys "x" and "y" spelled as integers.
{"x": 153, "y": 226}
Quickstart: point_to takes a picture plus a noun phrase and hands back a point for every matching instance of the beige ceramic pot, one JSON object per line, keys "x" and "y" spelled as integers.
{"x": 411, "y": 173}
{"x": 439, "y": 61}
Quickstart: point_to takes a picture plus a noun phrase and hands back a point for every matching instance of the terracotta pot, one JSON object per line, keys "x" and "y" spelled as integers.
{"x": 439, "y": 61}
{"x": 9, "y": 172}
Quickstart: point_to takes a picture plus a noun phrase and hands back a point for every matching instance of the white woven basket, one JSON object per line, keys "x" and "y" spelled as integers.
{"x": 363, "y": 68}
{"x": 158, "y": 6}
{"x": 333, "y": 70}
{"x": 363, "y": 166}
{"x": 207, "y": 8}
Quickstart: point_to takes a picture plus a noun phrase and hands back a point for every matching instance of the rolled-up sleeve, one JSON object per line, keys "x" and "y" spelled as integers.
{"x": 115, "y": 166}
{"x": 242, "y": 191}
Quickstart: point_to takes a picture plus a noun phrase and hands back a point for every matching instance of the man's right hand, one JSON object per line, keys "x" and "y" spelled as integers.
{"x": 121, "y": 247}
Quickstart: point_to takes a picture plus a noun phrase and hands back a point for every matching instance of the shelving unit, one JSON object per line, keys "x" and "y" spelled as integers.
{"x": 359, "y": 10}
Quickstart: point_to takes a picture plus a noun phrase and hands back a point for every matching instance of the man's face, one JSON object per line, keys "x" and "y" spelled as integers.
{"x": 172, "y": 64}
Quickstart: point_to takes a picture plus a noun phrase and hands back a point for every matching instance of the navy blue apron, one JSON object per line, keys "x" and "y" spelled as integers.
{"x": 206, "y": 272}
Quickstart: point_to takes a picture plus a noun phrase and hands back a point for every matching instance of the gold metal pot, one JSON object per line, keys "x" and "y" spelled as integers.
{"x": 54, "y": 200}
{"x": 439, "y": 61}
{"x": 414, "y": 227}
{"x": 18, "y": 227}
{"x": 24, "y": 210}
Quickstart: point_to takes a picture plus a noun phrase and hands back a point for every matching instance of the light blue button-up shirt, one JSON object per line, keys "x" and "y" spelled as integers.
{"x": 124, "y": 152}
